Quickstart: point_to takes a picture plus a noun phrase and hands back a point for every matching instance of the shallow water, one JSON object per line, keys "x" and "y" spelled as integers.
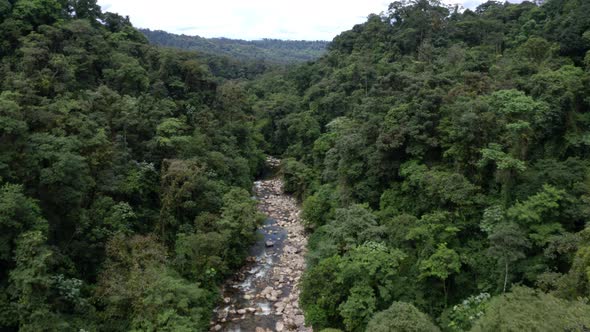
{"x": 240, "y": 293}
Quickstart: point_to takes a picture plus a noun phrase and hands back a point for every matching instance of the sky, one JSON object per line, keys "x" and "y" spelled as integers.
{"x": 253, "y": 19}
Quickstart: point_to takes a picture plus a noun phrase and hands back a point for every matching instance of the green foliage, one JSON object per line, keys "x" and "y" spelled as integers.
{"x": 351, "y": 287}
{"x": 441, "y": 264}
{"x": 321, "y": 300}
{"x": 527, "y": 309}
{"x": 438, "y": 154}
{"x": 576, "y": 283}
{"x": 537, "y": 206}
{"x": 136, "y": 285}
{"x": 358, "y": 308}
{"x": 352, "y": 226}
{"x": 457, "y": 139}
{"x": 464, "y": 314}
{"x": 507, "y": 244}
{"x": 401, "y": 317}
{"x": 503, "y": 160}
{"x": 18, "y": 214}
{"x": 31, "y": 284}
{"x": 318, "y": 208}
{"x": 296, "y": 177}
{"x": 270, "y": 50}
{"x": 106, "y": 139}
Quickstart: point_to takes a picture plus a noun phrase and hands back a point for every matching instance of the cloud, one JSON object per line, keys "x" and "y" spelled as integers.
{"x": 252, "y": 19}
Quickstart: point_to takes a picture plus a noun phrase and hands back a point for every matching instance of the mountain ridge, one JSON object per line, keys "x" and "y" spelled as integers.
{"x": 266, "y": 49}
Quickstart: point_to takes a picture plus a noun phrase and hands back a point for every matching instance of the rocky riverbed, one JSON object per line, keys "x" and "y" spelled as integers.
{"x": 264, "y": 295}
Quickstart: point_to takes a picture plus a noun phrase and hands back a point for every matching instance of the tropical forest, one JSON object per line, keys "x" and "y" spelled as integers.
{"x": 425, "y": 170}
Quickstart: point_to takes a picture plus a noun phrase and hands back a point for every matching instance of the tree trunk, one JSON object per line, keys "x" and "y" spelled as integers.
{"x": 445, "y": 290}
{"x": 505, "y": 275}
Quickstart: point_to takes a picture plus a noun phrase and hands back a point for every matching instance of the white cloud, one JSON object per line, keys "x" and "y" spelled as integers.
{"x": 250, "y": 19}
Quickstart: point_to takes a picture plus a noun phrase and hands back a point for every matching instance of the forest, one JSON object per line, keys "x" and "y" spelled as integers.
{"x": 441, "y": 158}
{"x": 273, "y": 51}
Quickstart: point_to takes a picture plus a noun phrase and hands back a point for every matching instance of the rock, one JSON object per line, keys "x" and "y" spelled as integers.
{"x": 217, "y": 327}
{"x": 299, "y": 320}
{"x": 286, "y": 270}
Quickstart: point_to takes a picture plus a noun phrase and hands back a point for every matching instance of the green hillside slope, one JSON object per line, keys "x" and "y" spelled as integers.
{"x": 271, "y": 50}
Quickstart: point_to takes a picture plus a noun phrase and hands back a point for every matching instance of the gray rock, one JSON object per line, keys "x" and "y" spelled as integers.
{"x": 299, "y": 320}
{"x": 279, "y": 326}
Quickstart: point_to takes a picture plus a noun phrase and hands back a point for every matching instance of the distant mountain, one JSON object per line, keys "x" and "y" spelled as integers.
{"x": 271, "y": 50}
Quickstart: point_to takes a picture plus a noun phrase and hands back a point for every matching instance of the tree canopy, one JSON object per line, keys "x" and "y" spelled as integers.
{"x": 441, "y": 157}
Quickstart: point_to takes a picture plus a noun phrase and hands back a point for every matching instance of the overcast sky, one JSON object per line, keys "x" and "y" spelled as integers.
{"x": 253, "y": 19}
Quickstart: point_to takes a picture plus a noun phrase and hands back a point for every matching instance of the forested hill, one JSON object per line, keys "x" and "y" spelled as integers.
{"x": 271, "y": 50}
{"x": 125, "y": 175}
{"x": 443, "y": 161}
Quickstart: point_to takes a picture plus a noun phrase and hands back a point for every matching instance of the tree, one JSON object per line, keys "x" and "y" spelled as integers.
{"x": 32, "y": 284}
{"x": 537, "y": 213}
{"x": 441, "y": 264}
{"x": 85, "y": 9}
{"x": 358, "y": 308}
{"x": 320, "y": 301}
{"x": 464, "y": 314}
{"x": 527, "y": 309}
{"x": 13, "y": 132}
{"x": 318, "y": 208}
{"x": 401, "y": 317}
{"x": 38, "y": 12}
{"x": 238, "y": 223}
{"x": 137, "y": 286}
{"x": 296, "y": 176}
{"x": 18, "y": 214}
{"x": 507, "y": 244}
{"x": 353, "y": 226}
{"x": 576, "y": 283}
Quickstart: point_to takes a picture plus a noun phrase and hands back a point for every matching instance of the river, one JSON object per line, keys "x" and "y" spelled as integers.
{"x": 263, "y": 296}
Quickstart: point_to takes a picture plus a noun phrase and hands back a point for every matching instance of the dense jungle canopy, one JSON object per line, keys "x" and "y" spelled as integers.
{"x": 441, "y": 158}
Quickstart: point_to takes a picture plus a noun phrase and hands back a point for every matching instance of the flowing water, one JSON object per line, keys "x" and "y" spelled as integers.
{"x": 263, "y": 296}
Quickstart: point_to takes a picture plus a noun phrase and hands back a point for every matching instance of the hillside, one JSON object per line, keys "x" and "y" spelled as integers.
{"x": 125, "y": 172}
{"x": 271, "y": 50}
{"x": 441, "y": 159}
